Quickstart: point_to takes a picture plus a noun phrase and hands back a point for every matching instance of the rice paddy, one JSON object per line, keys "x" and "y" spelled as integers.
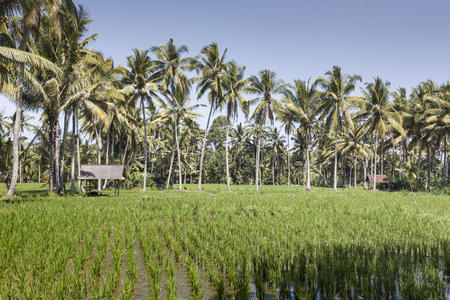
{"x": 280, "y": 243}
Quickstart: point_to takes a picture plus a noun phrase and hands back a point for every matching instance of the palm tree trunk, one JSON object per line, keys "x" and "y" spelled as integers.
{"x": 226, "y": 159}
{"x": 57, "y": 152}
{"x": 80, "y": 186}
{"x": 20, "y": 164}
{"x": 258, "y": 150}
{"x": 51, "y": 168}
{"x": 63, "y": 149}
{"x": 18, "y": 121}
{"x": 99, "y": 157}
{"x": 375, "y": 162}
{"x": 16, "y": 133}
{"x": 445, "y": 160}
{"x": 170, "y": 169}
{"x": 180, "y": 174}
{"x": 145, "y": 144}
{"x": 124, "y": 154}
{"x": 335, "y": 159}
{"x": 107, "y": 155}
{"x": 273, "y": 169}
{"x": 382, "y": 161}
{"x": 112, "y": 143}
{"x": 354, "y": 175}
{"x": 366, "y": 164}
{"x": 39, "y": 168}
{"x": 428, "y": 167}
{"x": 72, "y": 156}
{"x": 288, "y": 161}
{"x": 202, "y": 155}
{"x": 308, "y": 168}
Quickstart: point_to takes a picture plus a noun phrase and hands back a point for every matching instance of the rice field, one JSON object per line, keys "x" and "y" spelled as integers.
{"x": 280, "y": 243}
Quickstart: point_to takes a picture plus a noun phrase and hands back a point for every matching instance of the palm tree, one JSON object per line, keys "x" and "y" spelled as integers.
{"x": 276, "y": 144}
{"x": 30, "y": 12}
{"x": 68, "y": 53}
{"x": 284, "y": 117}
{"x": 353, "y": 142}
{"x": 265, "y": 86}
{"x": 437, "y": 117}
{"x": 257, "y": 131}
{"x": 334, "y": 105}
{"x": 299, "y": 106}
{"x": 212, "y": 65}
{"x": 234, "y": 83}
{"x": 170, "y": 67}
{"x": 142, "y": 88}
{"x": 178, "y": 112}
{"x": 377, "y": 112}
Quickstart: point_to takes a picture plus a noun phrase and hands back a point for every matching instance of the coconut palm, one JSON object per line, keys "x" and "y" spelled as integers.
{"x": 234, "y": 83}
{"x": 212, "y": 66}
{"x": 15, "y": 53}
{"x": 437, "y": 121}
{"x": 334, "y": 106}
{"x": 265, "y": 86}
{"x": 68, "y": 53}
{"x": 352, "y": 142}
{"x": 177, "y": 111}
{"x": 379, "y": 116}
{"x": 170, "y": 67}
{"x": 256, "y": 131}
{"x": 276, "y": 146}
{"x": 142, "y": 88}
{"x": 299, "y": 107}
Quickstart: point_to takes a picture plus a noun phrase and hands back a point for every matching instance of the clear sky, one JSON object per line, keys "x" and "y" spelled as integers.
{"x": 402, "y": 41}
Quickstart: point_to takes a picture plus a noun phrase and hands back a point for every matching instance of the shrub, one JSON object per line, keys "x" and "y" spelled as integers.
{"x": 136, "y": 179}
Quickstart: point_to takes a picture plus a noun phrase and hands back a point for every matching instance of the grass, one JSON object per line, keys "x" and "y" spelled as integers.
{"x": 281, "y": 242}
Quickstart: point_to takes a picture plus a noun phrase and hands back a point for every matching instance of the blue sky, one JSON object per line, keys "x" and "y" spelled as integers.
{"x": 404, "y": 42}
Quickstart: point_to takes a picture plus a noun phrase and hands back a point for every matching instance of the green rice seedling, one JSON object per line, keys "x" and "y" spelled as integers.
{"x": 171, "y": 288}
{"x": 244, "y": 279}
{"x": 347, "y": 245}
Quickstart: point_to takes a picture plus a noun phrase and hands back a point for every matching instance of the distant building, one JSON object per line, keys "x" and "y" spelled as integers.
{"x": 380, "y": 179}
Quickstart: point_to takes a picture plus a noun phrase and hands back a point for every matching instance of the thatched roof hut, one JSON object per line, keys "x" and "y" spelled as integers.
{"x": 380, "y": 179}
{"x": 92, "y": 172}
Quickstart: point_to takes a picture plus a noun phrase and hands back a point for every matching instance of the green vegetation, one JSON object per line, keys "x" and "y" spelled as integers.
{"x": 278, "y": 242}
{"x": 143, "y": 115}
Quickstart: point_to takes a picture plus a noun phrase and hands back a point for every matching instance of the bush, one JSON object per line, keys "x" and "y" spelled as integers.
{"x": 136, "y": 179}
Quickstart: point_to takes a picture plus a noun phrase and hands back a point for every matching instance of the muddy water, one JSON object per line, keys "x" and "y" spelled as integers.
{"x": 141, "y": 289}
{"x": 208, "y": 289}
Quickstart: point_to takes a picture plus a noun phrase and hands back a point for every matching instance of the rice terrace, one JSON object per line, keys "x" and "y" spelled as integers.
{"x": 135, "y": 167}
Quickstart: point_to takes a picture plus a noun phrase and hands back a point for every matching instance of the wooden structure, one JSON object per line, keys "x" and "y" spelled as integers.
{"x": 380, "y": 178}
{"x": 97, "y": 172}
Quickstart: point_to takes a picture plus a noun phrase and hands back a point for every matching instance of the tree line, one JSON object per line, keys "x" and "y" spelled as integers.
{"x": 310, "y": 132}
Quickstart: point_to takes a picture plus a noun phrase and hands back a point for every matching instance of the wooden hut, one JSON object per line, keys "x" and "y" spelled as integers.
{"x": 97, "y": 172}
{"x": 380, "y": 178}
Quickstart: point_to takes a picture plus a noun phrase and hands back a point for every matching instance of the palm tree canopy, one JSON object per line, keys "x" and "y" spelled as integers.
{"x": 211, "y": 65}
{"x": 265, "y": 86}
{"x": 170, "y": 66}
{"x": 337, "y": 87}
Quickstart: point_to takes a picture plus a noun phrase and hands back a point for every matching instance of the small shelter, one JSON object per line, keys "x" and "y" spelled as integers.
{"x": 380, "y": 178}
{"x": 96, "y": 172}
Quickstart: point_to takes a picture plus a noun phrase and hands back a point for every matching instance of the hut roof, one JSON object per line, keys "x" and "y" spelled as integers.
{"x": 88, "y": 172}
{"x": 380, "y": 178}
